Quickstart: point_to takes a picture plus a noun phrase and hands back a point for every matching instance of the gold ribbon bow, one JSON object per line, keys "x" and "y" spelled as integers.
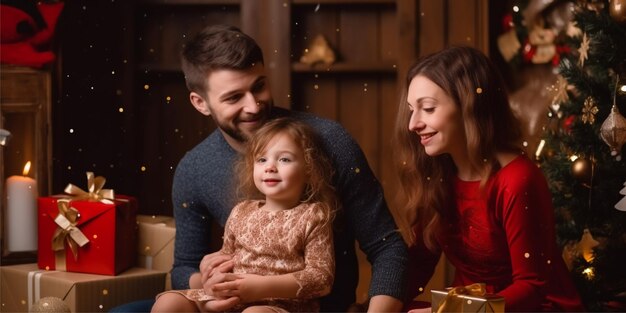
{"x": 477, "y": 289}
{"x": 66, "y": 220}
{"x": 96, "y": 193}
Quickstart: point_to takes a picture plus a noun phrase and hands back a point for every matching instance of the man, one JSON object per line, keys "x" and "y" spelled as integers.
{"x": 225, "y": 74}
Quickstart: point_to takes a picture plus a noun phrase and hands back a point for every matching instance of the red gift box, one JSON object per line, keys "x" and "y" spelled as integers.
{"x": 110, "y": 228}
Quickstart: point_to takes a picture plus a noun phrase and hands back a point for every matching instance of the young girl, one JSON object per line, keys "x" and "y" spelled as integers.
{"x": 471, "y": 193}
{"x": 281, "y": 238}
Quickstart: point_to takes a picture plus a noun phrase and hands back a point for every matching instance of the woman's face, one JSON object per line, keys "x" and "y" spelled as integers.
{"x": 435, "y": 118}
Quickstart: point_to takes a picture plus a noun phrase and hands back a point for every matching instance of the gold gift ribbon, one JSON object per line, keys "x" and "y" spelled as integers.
{"x": 96, "y": 193}
{"x": 66, "y": 220}
{"x": 477, "y": 289}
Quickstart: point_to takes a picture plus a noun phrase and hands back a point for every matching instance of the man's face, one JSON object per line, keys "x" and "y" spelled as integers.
{"x": 239, "y": 101}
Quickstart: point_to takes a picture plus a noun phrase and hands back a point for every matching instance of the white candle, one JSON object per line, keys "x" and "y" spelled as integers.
{"x": 21, "y": 218}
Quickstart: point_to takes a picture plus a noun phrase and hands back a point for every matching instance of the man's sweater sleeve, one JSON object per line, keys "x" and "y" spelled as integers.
{"x": 193, "y": 227}
{"x": 367, "y": 214}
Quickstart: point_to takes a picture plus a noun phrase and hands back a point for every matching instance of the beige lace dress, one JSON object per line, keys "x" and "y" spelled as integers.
{"x": 274, "y": 243}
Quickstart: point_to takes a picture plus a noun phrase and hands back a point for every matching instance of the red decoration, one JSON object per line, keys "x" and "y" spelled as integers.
{"x": 568, "y": 122}
{"x": 560, "y": 50}
{"x": 528, "y": 51}
{"x": 110, "y": 228}
{"x": 507, "y": 22}
{"x": 26, "y": 31}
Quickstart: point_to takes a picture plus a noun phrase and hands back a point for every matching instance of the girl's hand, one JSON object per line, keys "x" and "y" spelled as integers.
{"x": 247, "y": 287}
{"x": 423, "y": 310}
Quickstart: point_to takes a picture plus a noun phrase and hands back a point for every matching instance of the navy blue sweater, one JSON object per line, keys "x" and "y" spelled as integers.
{"x": 203, "y": 190}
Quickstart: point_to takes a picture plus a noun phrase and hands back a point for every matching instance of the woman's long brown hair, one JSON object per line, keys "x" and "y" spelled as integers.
{"x": 476, "y": 87}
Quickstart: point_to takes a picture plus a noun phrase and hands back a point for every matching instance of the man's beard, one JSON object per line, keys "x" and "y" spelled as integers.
{"x": 241, "y": 136}
{"x": 235, "y": 134}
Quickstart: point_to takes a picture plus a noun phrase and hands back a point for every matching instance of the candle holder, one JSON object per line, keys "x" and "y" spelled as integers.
{"x": 25, "y": 100}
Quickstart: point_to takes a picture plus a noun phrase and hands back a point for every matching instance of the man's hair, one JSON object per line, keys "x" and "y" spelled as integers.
{"x": 217, "y": 47}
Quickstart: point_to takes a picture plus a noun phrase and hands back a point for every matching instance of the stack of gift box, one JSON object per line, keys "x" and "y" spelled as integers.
{"x": 94, "y": 253}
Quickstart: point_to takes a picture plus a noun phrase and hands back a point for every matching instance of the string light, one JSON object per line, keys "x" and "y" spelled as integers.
{"x": 542, "y": 143}
{"x": 589, "y": 273}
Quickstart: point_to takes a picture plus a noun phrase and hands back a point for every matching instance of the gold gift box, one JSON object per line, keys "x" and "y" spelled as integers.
{"x": 156, "y": 243}
{"x": 466, "y": 303}
{"x": 22, "y": 285}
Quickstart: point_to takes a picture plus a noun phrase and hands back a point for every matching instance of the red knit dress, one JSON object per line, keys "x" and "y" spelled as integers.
{"x": 504, "y": 237}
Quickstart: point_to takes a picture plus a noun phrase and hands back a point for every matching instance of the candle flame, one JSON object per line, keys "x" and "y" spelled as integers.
{"x": 26, "y": 168}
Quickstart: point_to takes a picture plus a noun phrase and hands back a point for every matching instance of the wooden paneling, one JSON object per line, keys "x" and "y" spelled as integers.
{"x": 453, "y": 22}
{"x": 166, "y": 123}
{"x": 268, "y": 22}
{"x": 161, "y": 31}
{"x": 464, "y": 23}
{"x": 320, "y": 92}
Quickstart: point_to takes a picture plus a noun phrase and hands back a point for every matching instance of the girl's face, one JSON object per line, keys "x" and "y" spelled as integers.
{"x": 435, "y": 118}
{"x": 279, "y": 172}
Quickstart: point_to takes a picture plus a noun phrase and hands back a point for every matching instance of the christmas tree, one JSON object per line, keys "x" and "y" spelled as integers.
{"x": 581, "y": 151}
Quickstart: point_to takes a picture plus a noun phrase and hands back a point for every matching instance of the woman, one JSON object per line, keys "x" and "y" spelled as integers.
{"x": 471, "y": 193}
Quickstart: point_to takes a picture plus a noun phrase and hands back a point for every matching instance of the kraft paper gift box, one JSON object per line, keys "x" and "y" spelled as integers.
{"x": 156, "y": 243}
{"x": 109, "y": 227}
{"x": 472, "y": 298}
{"x": 22, "y": 285}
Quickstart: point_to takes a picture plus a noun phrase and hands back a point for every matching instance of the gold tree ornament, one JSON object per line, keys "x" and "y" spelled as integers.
{"x": 582, "y": 170}
{"x": 318, "y": 52}
{"x": 589, "y": 111}
{"x": 583, "y": 50}
{"x": 586, "y": 245}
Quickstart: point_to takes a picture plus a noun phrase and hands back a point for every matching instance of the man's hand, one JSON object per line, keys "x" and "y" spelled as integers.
{"x": 213, "y": 263}
{"x": 213, "y": 268}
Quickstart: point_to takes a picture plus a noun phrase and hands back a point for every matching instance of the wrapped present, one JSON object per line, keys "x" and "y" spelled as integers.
{"x": 23, "y": 285}
{"x": 89, "y": 232}
{"x": 156, "y": 243}
{"x": 471, "y": 298}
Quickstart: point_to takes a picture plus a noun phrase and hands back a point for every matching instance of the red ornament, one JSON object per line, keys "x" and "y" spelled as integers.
{"x": 568, "y": 122}
{"x": 507, "y": 22}
{"x": 528, "y": 52}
